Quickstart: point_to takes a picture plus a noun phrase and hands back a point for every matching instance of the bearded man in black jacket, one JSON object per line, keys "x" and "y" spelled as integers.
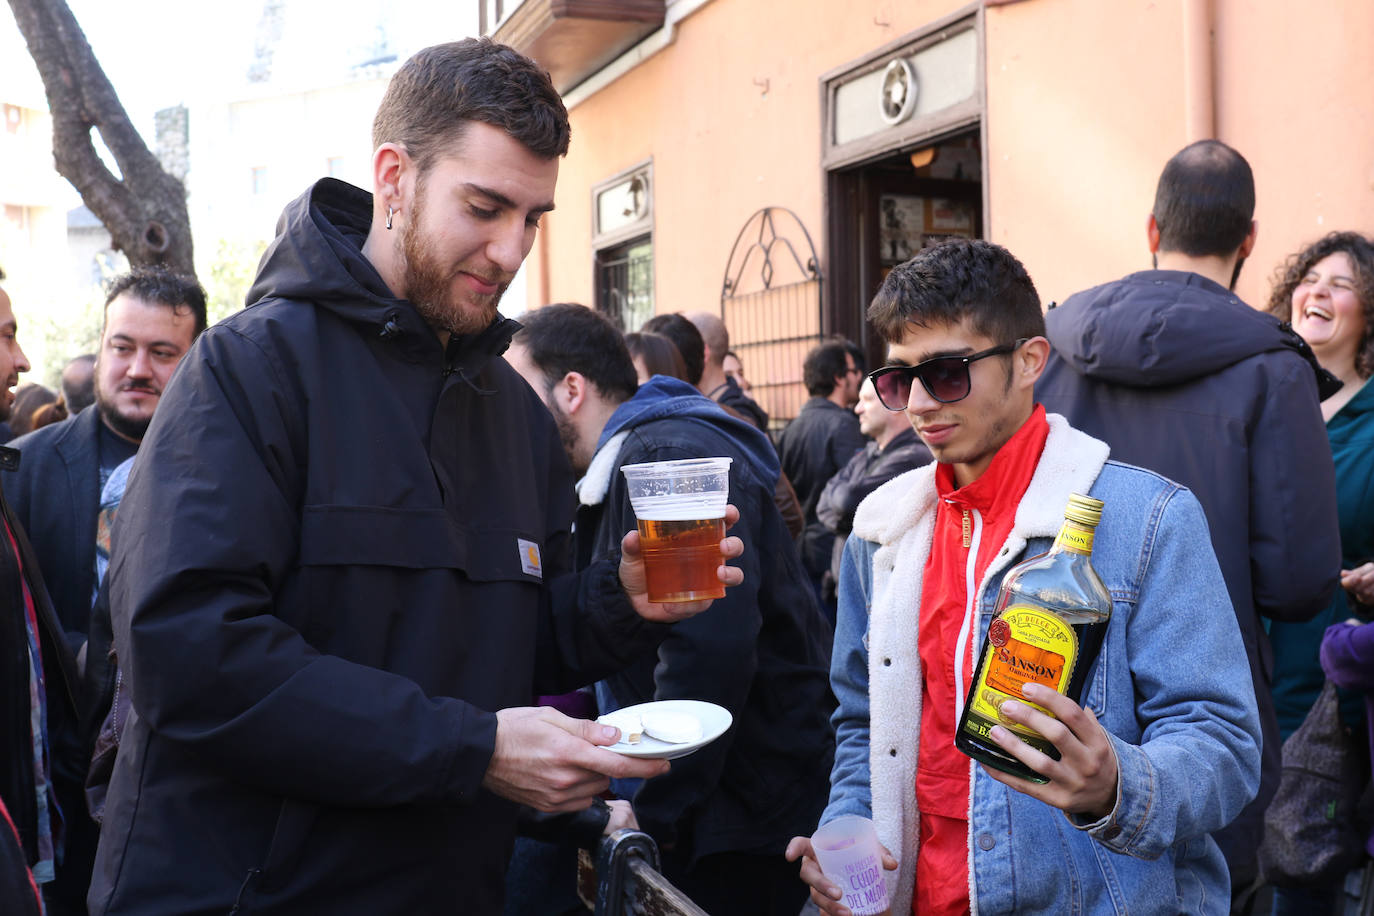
{"x": 341, "y": 572}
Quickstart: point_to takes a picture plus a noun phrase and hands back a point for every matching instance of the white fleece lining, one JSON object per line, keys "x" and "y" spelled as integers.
{"x": 899, "y": 517}
{"x": 591, "y": 489}
{"x": 970, "y": 611}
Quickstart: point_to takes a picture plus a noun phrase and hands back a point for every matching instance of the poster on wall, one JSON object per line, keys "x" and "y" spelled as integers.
{"x": 908, "y": 223}
{"x": 951, "y": 217}
{"x": 901, "y": 223}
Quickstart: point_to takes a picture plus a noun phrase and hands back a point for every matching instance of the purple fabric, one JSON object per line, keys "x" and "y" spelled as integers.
{"x": 580, "y": 704}
{"x": 1348, "y": 660}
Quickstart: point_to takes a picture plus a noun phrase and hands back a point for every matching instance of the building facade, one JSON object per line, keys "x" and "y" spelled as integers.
{"x": 772, "y": 160}
{"x": 41, "y": 278}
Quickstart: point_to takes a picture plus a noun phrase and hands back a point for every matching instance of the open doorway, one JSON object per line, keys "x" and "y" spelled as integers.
{"x": 885, "y": 210}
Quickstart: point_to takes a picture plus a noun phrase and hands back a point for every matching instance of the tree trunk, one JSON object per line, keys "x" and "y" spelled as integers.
{"x": 145, "y": 210}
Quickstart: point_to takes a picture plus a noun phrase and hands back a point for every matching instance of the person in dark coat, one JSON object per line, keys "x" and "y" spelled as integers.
{"x": 152, "y": 316}
{"x": 1178, "y": 375}
{"x": 19, "y": 894}
{"x": 714, "y": 383}
{"x": 339, "y": 576}
{"x": 895, "y": 449}
{"x": 38, "y": 716}
{"x": 725, "y": 813}
{"x": 821, "y": 440}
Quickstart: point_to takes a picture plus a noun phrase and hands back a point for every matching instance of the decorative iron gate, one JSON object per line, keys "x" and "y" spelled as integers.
{"x": 770, "y": 302}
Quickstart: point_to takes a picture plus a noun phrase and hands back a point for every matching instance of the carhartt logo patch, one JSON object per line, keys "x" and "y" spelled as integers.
{"x": 529, "y": 558}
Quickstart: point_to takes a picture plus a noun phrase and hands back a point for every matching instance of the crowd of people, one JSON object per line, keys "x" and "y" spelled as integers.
{"x": 315, "y": 610}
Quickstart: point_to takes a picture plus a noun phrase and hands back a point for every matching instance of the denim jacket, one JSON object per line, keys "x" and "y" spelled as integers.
{"x": 1171, "y": 686}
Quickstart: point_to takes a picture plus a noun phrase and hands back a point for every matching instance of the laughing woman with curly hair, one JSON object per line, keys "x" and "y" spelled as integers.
{"x": 1327, "y": 292}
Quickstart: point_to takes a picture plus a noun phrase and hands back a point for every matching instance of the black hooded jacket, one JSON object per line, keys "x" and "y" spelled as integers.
{"x": 1178, "y": 375}
{"x": 336, "y": 559}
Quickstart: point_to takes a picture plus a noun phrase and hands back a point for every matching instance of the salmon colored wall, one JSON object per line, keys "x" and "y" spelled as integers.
{"x": 1296, "y": 99}
{"x": 1086, "y": 100}
{"x": 1085, "y": 103}
{"x": 722, "y": 146}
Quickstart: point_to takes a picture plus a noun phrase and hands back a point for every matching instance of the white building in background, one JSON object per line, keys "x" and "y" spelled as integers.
{"x": 301, "y": 109}
{"x": 34, "y": 197}
{"x": 251, "y": 155}
{"x": 34, "y": 200}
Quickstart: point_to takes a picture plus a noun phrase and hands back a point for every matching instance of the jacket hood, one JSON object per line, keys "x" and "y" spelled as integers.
{"x": 662, "y": 397}
{"x": 317, "y": 257}
{"x": 1162, "y": 327}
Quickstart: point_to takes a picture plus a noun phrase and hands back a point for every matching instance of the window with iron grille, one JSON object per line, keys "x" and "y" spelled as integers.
{"x": 622, "y": 238}
{"x": 625, "y": 283}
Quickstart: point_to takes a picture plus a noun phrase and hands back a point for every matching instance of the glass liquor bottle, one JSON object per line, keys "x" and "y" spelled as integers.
{"x": 1047, "y": 628}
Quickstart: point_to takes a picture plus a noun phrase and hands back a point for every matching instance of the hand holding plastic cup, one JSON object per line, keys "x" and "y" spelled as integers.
{"x": 680, "y": 506}
{"x": 849, "y": 854}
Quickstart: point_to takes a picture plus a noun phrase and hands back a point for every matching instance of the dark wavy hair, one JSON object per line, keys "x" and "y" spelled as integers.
{"x": 161, "y": 286}
{"x": 956, "y": 281}
{"x": 567, "y": 337}
{"x": 825, "y": 361}
{"x": 686, "y": 338}
{"x": 1360, "y": 250}
{"x": 441, "y": 89}
{"x": 660, "y": 355}
{"x": 1205, "y": 200}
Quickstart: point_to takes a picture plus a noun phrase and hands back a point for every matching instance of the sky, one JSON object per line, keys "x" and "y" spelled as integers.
{"x": 160, "y": 53}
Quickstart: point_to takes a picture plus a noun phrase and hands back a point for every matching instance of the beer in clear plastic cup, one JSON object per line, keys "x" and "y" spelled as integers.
{"x": 680, "y": 506}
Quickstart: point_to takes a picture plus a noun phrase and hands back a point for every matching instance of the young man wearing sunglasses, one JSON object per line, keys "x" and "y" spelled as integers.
{"x": 1165, "y": 748}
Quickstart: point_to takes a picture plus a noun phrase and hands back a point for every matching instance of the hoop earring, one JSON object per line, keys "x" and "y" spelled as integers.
{"x": 388, "y": 217}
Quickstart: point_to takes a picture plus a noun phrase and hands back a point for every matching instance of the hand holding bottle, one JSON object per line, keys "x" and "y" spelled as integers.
{"x": 1083, "y": 781}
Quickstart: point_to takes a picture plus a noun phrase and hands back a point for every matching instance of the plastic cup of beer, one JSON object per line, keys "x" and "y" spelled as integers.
{"x": 680, "y": 506}
{"x": 849, "y": 854}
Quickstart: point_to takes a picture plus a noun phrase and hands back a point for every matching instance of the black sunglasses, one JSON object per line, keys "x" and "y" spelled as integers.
{"x": 945, "y": 378}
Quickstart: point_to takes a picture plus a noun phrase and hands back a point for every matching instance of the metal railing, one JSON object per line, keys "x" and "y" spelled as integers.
{"x": 627, "y": 881}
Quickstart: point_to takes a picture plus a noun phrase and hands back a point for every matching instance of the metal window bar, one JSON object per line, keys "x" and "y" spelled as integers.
{"x": 625, "y": 284}
{"x": 771, "y": 305}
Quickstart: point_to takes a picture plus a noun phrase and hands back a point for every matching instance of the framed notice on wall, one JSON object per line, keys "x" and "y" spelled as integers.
{"x": 907, "y": 223}
{"x": 901, "y": 223}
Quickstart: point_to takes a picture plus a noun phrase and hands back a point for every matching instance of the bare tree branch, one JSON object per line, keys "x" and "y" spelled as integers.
{"x": 144, "y": 208}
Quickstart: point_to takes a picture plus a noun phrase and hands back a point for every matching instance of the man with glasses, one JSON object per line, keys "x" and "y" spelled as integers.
{"x": 819, "y": 442}
{"x": 1165, "y": 748}
{"x": 1180, "y": 376}
{"x": 894, "y": 449}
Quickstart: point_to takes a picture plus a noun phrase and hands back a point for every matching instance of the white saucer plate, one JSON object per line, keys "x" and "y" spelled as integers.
{"x": 714, "y": 722}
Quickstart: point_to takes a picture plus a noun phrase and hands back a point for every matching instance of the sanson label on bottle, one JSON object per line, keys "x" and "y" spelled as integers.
{"x": 1026, "y": 645}
{"x": 1079, "y": 540}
